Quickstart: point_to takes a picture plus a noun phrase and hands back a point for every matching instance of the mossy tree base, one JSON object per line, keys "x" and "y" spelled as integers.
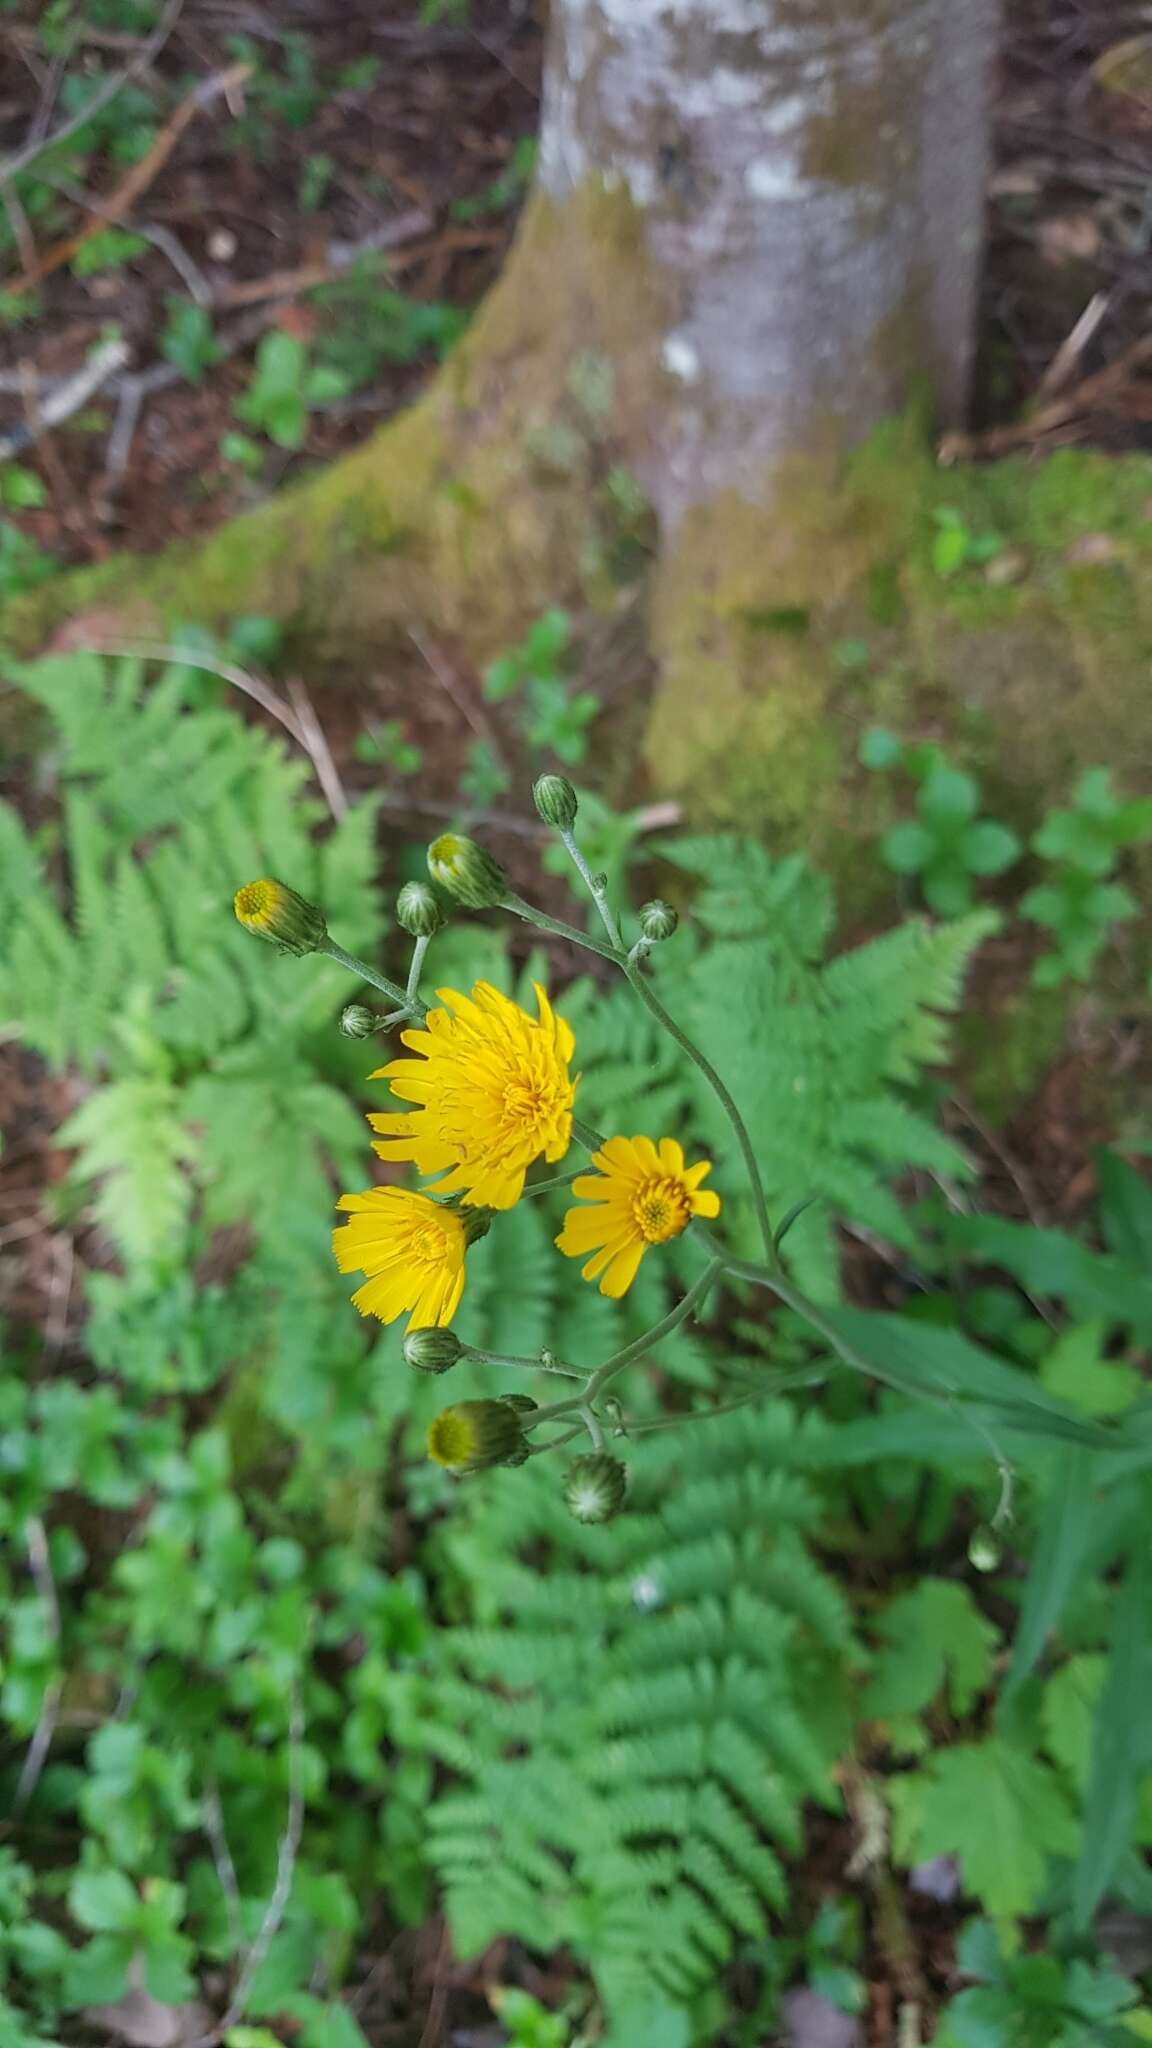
{"x": 780, "y": 629}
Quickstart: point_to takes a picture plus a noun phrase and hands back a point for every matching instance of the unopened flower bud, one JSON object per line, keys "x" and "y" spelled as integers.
{"x": 658, "y": 921}
{"x": 432, "y": 1350}
{"x": 467, "y": 872}
{"x": 475, "y": 1435}
{"x": 984, "y": 1551}
{"x": 275, "y": 912}
{"x": 356, "y": 1021}
{"x": 555, "y": 800}
{"x": 595, "y": 1487}
{"x": 417, "y": 911}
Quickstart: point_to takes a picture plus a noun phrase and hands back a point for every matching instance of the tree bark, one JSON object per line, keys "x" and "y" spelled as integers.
{"x": 808, "y": 178}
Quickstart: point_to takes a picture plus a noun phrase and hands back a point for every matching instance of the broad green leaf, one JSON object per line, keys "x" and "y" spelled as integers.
{"x": 934, "y": 1636}
{"x": 1069, "y": 1705}
{"x": 988, "y": 848}
{"x": 907, "y": 848}
{"x": 947, "y": 796}
{"x": 105, "y": 1901}
{"x": 1076, "y": 1371}
{"x": 920, "y": 1358}
{"x": 1054, "y": 1264}
{"x": 1125, "y": 1210}
{"x": 1001, "y": 1811}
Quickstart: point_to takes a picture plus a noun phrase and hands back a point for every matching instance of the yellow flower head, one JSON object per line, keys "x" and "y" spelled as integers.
{"x": 273, "y": 911}
{"x": 493, "y": 1092}
{"x": 411, "y": 1250}
{"x": 643, "y": 1194}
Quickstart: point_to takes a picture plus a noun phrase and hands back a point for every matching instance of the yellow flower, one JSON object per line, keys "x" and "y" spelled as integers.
{"x": 642, "y": 1194}
{"x": 411, "y": 1250}
{"x": 493, "y": 1093}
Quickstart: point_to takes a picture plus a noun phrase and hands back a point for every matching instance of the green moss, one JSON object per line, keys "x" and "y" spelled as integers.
{"x": 444, "y": 518}
{"x": 757, "y": 719}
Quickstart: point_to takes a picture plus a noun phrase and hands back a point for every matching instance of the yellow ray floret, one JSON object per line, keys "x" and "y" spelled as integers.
{"x": 493, "y": 1093}
{"x": 641, "y": 1194}
{"x": 411, "y": 1251}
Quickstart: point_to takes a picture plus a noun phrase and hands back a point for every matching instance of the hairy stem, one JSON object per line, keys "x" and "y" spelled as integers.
{"x": 412, "y": 992}
{"x": 363, "y": 972}
{"x": 699, "y": 1059}
{"x": 560, "y": 930}
{"x": 604, "y": 1374}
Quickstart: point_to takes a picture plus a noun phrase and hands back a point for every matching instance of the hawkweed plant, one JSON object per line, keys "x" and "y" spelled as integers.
{"x": 488, "y": 1091}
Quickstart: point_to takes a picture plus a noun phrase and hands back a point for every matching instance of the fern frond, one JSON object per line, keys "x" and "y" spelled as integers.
{"x": 632, "y": 1717}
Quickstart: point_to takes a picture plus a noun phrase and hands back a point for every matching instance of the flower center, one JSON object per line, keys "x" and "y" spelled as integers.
{"x": 429, "y": 1244}
{"x": 660, "y": 1209}
{"x": 528, "y": 1105}
{"x": 451, "y": 1439}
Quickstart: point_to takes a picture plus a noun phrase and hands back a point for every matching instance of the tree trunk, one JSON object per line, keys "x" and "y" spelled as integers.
{"x": 808, "y": 181}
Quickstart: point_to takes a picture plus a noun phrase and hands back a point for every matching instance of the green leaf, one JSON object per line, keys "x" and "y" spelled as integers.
{"x": 1066, "y": 1529}
{"x": 21, "y": 488}
{"x": 950, "y": 549}
{"x": 97, "y": 1974}
{"x": 947, "y": 796}
{"x": 1121, "y": 1744}
{"x": 1068, "y": 1711}
{"x": 1077, "y": 1370}
{"x": 1125, "y": 1210}
{"x": 922, "y": 1359}
{"x": 988, "y": 848}
{"x": 1002, "y": 1812}
{"x": 107, "y": 250}
{"x": 879, "y": 748}
{"x": 947, "y": 889}
{"x": 104, "y": 1901}
{"x": 907, "y": 848}
{"x": 934, "y": 1635}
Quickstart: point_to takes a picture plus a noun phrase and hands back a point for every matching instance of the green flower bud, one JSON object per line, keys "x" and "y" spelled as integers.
{"x": 432, "y": 1350}
{"x": 555, "y": 800}
{"x": 467, "y": 872}
{"x": 275, "y": 912}
{"x": 357, "y": 1022}
{"x": 476, "y": 1434}
{"x": 658, "y": 921}
{"x": 417, "y": 911}
{"x": 595, "y": 1487}
{"x": 984, "y": 1552}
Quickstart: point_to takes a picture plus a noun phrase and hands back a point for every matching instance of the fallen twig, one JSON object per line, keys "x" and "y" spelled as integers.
{"x": 140, "y": 177}
{"x": 472, "y": 714}
{"x": 67, "y": 397}
{"x": 284, "y": 284}
{"x": 149, "y": 49}
{"x": 305, "y": 731}
{"x": 285, "y": 1870}
{"x": 1073, "y": 346}
{"x": 319, "y": 752}
{"x": 134, "y": 390}
{"x": 1083, "y": 398}
{"x": 40, "y": 1566}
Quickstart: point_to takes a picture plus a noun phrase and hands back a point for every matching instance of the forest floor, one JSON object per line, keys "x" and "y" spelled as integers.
{"x": 349, "y": 178}
{"x": 352, "y": 195}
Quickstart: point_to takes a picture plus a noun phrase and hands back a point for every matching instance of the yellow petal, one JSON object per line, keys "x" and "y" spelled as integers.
{"x": 623, "y": 1269}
